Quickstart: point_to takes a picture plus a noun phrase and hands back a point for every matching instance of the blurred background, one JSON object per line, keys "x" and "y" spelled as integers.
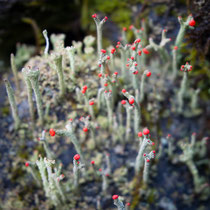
{"x": 22, "y": 21}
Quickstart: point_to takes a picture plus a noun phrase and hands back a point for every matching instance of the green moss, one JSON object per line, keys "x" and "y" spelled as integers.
{"x": 161, "y": 9}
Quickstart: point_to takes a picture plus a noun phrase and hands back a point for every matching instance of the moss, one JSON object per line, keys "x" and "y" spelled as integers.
{"x": 161, "y": 9}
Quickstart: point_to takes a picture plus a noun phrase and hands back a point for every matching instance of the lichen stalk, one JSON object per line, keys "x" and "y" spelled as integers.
{"x": 70, "y": 133}
{"x": 14, "y": 71}
{"x": 119, "y": 204}
{"x": 59, "y": 70}
{"x": 47, "y": 42}
{"x": 71, "y": 53}
{"x": 13, "y": 105}
{"x": 139, "y": 159}
{"x": 33, "y": 76}
{"x": 147, "y": 158}
{"x": 29, "y": 90}
{"x": 76, "y": 173}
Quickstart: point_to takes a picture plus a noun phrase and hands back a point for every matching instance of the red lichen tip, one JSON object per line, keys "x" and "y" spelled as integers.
{"x": 123, "y": 102}
{"x": 124, "y": 29}
{"x": 94, "y": 15}
{"x": 105, "y": 84}
{"x": 100, "y": 169}
{"x": 130, "y": 27}
{"x": 118, "y": 43}
{"x": 27, "y": 164}
{"x": 175, "y": 48}
{"x": 145, "y": 51}
{"x": 106, "y": 18}
{"x": 116, "y": 73}
{"x": 144, "y": 154}
{"x": 51, "y": 132}
{"x": 132, "y": 58}
{"x": 114, "y": 197}
{"x": 153, "y": 143}
{"x": 139, "y": 52}
{"x": 169, "y": 135}
{"x": 194, "y": 134}
{"x": 117, "y": 46}
{"x": 131, "y": 100}
{"x": 103, "y": 51}
{"x": 99, "y": 65}
{"x": 127, "y": 204}
{"x": 148, "y": 160}
{"x": 84, "y": 87}
{"x": 146, "y": 131}
{"x": 153, "y": 151}
{"x": 85, "y": 129}
{"x": 192, "y": 23}
{"x": 148, "y": 74}
{"x": 135, "y": 72}
{"x": 113, "y": 50}
{"x": 138, "y": 40}
{"x": 139, "y": 134}
{"x": 100, "y": 75}
{"x": 136, "y": 64}
{"x": 108, "y": 57}
{"x": 91, "y": 103}
{"x": 124, "y": 91}
{"x": 133, "y": 48}
{"x": 92, "y": 162}
{"x": 76, "y": 157}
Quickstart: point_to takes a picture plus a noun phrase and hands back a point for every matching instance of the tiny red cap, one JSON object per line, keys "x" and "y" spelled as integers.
{"x": 146, "y": 131}
{"x": 123, "y": 102}
{"x": 85, "y": 129}
{"x": 131, "y": 100}
{"x": 76, "y": 157}
{"x": 27, "y": 164}
{"x": 52, "y": 132}
{"x": 124, "y": 90}
{"x": 139, "y": 134}
{"x": 114, "y": 197}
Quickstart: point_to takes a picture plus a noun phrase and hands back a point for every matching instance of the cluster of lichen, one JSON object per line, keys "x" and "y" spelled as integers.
{"x": 91, "y": 82}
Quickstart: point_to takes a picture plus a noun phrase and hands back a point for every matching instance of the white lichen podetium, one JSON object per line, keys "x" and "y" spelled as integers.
{"x": 99, "y": 25}
{"x": 47, "y": 42}
{"x": 69, "y": 132}
{"x": 88, "y": 125}
{"x": 137, "y": 111}
{"x": 47, "y": 149}
{"x": 76, "y": 170}
{"x": 118, "y": 202}
{"x": 147, "y": 158}
{"x": 183, "y": 89}
{"x": 33, "y": 76}
{"x": 57, "y": 42}
{"x": 88, "y": 103}
{"x": 57, "y": 58}
{"x": 161, "y": 46}
{"x": 143, "y": 145}
{"x": 188, "y": 158}
{"x": 71, "y": 53}
{"x": 189, "y": 23}
{"x": 12, "y": 101}
{"x": 51, "y": 181}
{"x": 129, "y": 109}
{"x": 14, "y": 71}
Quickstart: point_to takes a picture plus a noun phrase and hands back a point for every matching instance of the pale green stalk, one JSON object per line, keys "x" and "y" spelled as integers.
{"x": 70, "y": 133}
{"x": 47, "y": 42}
{"x": 14, "y": 71}
{"x": 30, "y": 95}
{"x": 33, "y": 76}
{"x": 13, "y": 105}
{"x": 59, "y": 70}
{"x": 119, "y": 204}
